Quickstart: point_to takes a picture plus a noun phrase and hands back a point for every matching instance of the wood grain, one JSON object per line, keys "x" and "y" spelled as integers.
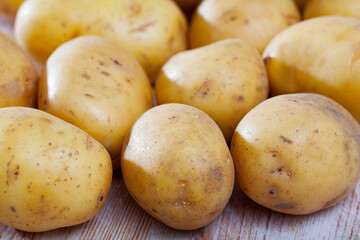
{"x": 122, "y": 218}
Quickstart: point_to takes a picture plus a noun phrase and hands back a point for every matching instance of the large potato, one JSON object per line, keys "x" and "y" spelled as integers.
{"x": 18, "y": 76}
{"x": 297, "y": 153}
{"x": 320, "y": 55}
{"x": 225, "y": 79}
{"x": 9, "y": 7}
{"x": 151, "y": 30}
{"x": 256, "y": 21}
{"x": 52, "y": 173}
{"x": 96, "y": 85}
{"x": 177, "y": 166}
{"x": 316, "y": 8}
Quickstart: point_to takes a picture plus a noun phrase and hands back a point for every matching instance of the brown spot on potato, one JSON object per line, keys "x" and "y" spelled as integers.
{"x": 88, "y": 143}
{"x": 78, "y": 186}
{"x": 143, "y": 27}
{"x": 286, "y": 140}
{"x": 72, "y": 113}
{"x": 246, "y": 21}
{"x": 12, "y": 209}
{"x": 105, "y": 73}
{"x": 240, "y": 99}
{"x": 204, "y": 89}
{"x": 101, "y": 63}
{"x": 85, "y": 75}
{"x": 154, "y": 210}
{"x": 46, "y": 120}
{"x": 272, "y": 191}
{"x": 335, "y": 199}
{"x": 214, "y": 180}
{"x": 117, "y": 62}
{"x": 89, "y": 95}
{"x": 291, "y": 19}
{"x": 316, "y": 131}
{"x": 284, "y": 206}
{"x": 42, "y": 198}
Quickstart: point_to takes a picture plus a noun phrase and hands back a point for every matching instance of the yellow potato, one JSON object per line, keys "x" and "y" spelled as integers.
{"x": 316, "y": 8}
{"x": 96, "y": 85}
{"x": 18, "y": 76}
{"x": 225, "y": 79}
{"x": 177, "y": 166}
{"x": 297, "y": 153}
{"x": 10, "y": 7}
{"x": 256, "y": 21}
{"x": 52, "y": 173}
{"x": 320, "y": 55}
{"x": 152, "y": 30}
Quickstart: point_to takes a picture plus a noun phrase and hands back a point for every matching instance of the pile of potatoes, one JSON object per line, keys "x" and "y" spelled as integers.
{"x": 184, "y": 97}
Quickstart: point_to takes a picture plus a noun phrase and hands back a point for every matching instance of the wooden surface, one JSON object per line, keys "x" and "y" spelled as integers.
{"x": 122, "y": 218}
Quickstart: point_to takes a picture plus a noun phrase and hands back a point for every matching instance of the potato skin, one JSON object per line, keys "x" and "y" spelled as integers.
{"x": 151, "y": 30}
{"x": 225, "y": 79}
{"x": 177, "y": 166}
{"x": 297, "y": 153}
{"x": 9, "y": 7}
{"x": 256, "y": 21}
{"x": 317, "y": 8}
{"x": 319, "y": 55}
{"x": 96, "y": 85}
{"x": 18, "y": 76}
{"x": 52, "y": 173}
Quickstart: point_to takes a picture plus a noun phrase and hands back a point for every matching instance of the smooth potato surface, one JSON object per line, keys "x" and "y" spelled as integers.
{"x": 225, "y": 79}
{"x": 317, "y": 8}
{"x": 319, "y": 55}
{"x": 18, "y": 76}
{"x": 96, "y": 85}
{"x": 152, "y": 30}
{"x": 177, "y": 166}
{"x": 52, "y": 173}
{"x": 297, "y": 153}
{"x": 256, "y": 21}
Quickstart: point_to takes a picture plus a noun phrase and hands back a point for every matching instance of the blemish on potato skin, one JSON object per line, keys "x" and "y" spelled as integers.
{"x": 286, "y": 140}
{"x": 272, "y": 191}
{"x": 143, "y": 27}
{"x": 89, "y": 95}
{"x": 85, "y": 75}
{"x": 105, "y": 73}
{"x": 240, "y": 99}
{"x": 88, "y": 143}
{"x": 12, "y": 209}
{"x": 46, "y": 120}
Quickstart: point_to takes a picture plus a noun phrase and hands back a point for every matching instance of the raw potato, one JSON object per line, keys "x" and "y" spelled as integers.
{"x": 297, "y": 153}
{"x": 18, "y": 76}
{"x": 177, "y": 166}
{"x": 316, "y": 8}
{"x": 152, "y": 30}
{"x": 256, "y": 21}
{"x": 10, "y": 7}
{"x": 320, "y": 55}
{"x": 225, "y": 79}
{"x": 52, "y": 173}
{"x": 96, "y": 85}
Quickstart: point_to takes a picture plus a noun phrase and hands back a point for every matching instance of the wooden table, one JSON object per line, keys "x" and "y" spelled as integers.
{"x": 122, "y": 218}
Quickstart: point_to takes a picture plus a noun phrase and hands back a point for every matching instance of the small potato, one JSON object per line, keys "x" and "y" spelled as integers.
{"x": 96, "y": 85}
{"x": 152, "y": 30}
{"x": 9, "y": 7}
{"x": 177, "y": 166}
{"x": 320, "y": 55}
{"x": 52, "y": 173}
{"x": 255, "y": 21}
{"x": 316, "y": 8}
{"x": 18, "y": 76}
{"x": 297, "y": 153}
{"x": 225, "y": 79}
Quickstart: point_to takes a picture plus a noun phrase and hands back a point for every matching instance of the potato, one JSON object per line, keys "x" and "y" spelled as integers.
{"x": 316, "y": 8}
{"x": 96, "y": 85}
{"x": 256, "y": 21}
{"x": 319, "y": 55}
{"x": 297, "y": 153}
{"x": 52, "y": 173}
{"x": 152, "y": 30}
{"x": 225, "y": 79}
{"x": 10, "y": 7}
{"x": 177, "y": 166}
{"x": 18, "y": 76}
